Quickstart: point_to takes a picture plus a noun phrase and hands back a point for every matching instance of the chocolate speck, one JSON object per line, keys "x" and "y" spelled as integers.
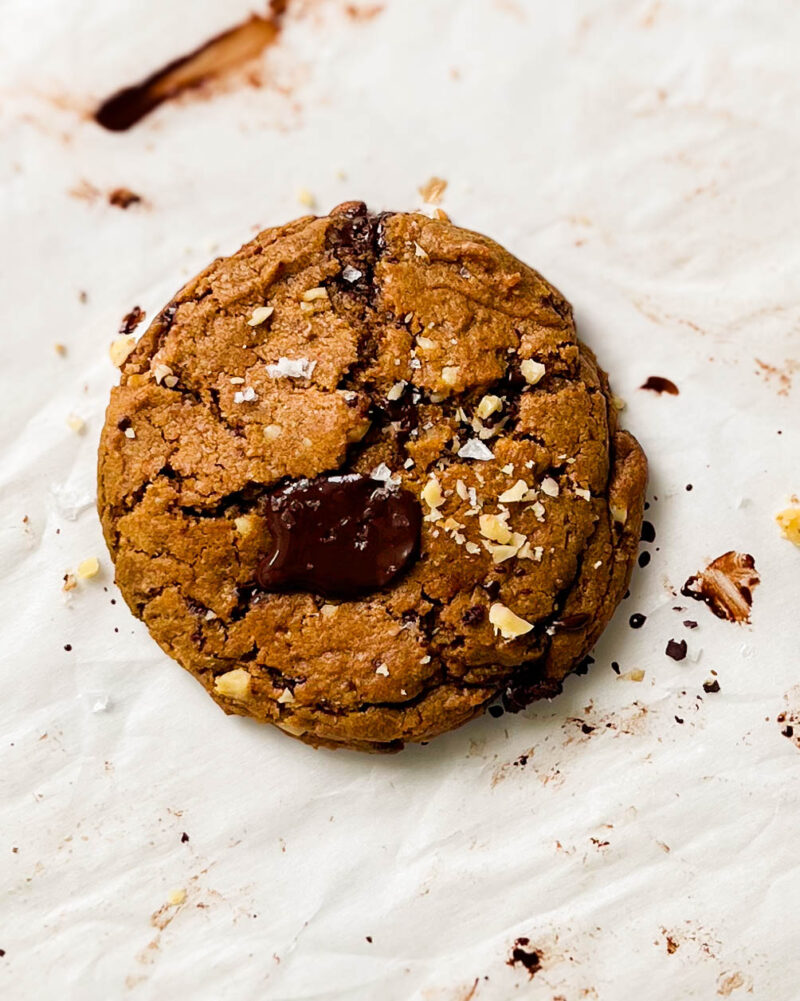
{"x": 690, "y": 623}
{"x": 369, "y": 939}
{"x": 68, "y": 647}
{"x": 615, "y": 667}
{"x": 637, "y": 620}
{"x": 644, "y": 559}
{"x": 123, "y": 198}
{"x": 676, "y": 649}
{"x": 496, "y": 711}
{"x": 184, "y": 838}
{"x": 131, "y": 320}
{"x": 474, "y": 615}
{"x": 2, "y": 953}
{"x": 689, "y": 487}
{"x": 492, "y": 589}
{"x": 788, "y": 731}
{"x": 711, "y": 686}
{"x": 658, "y": 384}
{"x": 678, "y": 719}
{"x": 648, "y": 532}
{"x": 521, "y": 955}
{"x": 585, "y": 728}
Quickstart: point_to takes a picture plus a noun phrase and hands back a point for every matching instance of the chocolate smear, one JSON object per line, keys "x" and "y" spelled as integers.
{"x": 223, "y": 53}
{"x": 523, "y": 955}
{"x": 339, "y": 536}
{"x": 726, "y": 586}
{"x": 658, "y": 384}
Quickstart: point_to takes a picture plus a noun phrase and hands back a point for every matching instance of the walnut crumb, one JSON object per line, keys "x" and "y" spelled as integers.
{"x": 789, "y": 521}
{"x": 532, "y": 371}
{"x": 76, "y": 424}
{"x": 89, "y": 567}
{"x": 637, "y": 674}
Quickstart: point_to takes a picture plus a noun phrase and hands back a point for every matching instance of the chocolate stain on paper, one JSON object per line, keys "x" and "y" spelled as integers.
{"x": 522, "y": 954}
{"x": 219, "y": 56}
{"x": 726, "y": 586}
{"x": 659, "y": 384}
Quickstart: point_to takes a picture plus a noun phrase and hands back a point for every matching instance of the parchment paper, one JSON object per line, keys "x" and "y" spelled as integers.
{"x": 643, "y": 156}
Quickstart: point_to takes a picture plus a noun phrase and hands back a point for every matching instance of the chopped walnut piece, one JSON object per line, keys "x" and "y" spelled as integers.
{"x": 532, "y": 371}
{"x": 259, "y": 315}
{"x": 514, "y": 494}
{"x": 489, "y": 405}
{"x": 495, "y": 528}
{"x": 432, "y": 493}
{"x": 76, "y": 424}
{"x": 121, "y": 348}
{"x": 507, "y": 623}
{"x": 233, "y": 684}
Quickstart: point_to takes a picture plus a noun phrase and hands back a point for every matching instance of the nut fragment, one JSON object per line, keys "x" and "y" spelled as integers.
{"x": 233, "y": 684}
{"x": 121, "y": 348}
{"x": 507, "y": 623}
{"x": 489, "y": 405}
{"x": 549, "y": 486}
{"x": 305, "y": 197}
{"x": 312, "y": 294}
{"x": 789, "y": 521}
{"x": 637, "y": 674}
{"x": 260, "y": 314}
{"x": 532, "y": 371}
{"x": 160, "y": 372}
{"x": 495, "y": 528}
{"x": 286, "y": 697}
{"x": 272, "y": 431}
{"x": 432, "y": 493}
{"x": 396, "y": 391}
{"x": 76, "y": 424}
{"x": 450, "y": 375}
{"x": 421, "y": 252}
{"x": 426, "y": 343}
{"x": 618, "y": 514}
{"x": 244, "y": 524}
{"x": 176, "y": 898}
{"x": 89, "y": 567}
{"x": 514, "y": 494}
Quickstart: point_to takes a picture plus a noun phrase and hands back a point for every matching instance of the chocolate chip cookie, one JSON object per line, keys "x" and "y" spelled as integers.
{"x": 361, "y": 478}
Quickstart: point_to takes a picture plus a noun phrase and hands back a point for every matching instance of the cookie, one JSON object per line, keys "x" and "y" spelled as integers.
{"x": 361, "y": 479}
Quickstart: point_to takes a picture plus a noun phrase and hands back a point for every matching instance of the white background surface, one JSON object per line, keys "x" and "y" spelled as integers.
{"x": 643, "y": 156}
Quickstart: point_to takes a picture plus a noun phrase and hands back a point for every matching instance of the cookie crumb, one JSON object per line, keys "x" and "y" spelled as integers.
{"x": 710, "y": 686}
{"x": 432, "y": 190}
{"x": 637, "y": 674}
{"x": 76, "y": 424}
{"x": 70, "y": 582}
{"x": 60, "y": 349}
{"x": 176, "y": 898}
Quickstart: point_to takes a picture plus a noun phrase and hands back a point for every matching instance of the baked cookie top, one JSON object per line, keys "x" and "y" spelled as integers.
{"x": 412, "y": 373}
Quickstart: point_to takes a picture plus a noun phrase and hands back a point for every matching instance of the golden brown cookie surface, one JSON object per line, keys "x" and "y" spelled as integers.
{"x": 384, "y": 346}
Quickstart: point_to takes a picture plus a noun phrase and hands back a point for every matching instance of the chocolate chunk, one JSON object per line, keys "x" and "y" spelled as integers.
{"x": 339, "y": 536}
{"x": 648, "y": 532}
{"x": 658, "y": 384}
{"x": 676, "y": 649}
{"x": 690, "y": 623}
{"x": 474, "y": 615}
{"x": 637, "y": 620}
{"x": 711, "y": 686}
{"x": 644, "y": 559}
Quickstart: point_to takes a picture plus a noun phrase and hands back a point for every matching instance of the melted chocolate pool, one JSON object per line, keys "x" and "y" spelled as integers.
{"x": 339, "y": 536}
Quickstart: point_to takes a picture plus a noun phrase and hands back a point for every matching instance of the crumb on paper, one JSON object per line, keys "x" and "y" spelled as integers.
{"x": 76, "y": 424}
{"x": 60, "y": 349}
{"x": 637, "y": 674}
{"x": 90, "y": 567}
{"x": 433, "y": 190}
{"x": 523, "y": 954}
{"x": 176, "y": 898}
{"x": 789, "y": 522}
{"x": 123, "y": 198}
{"x": 304, "y": 197}
{"x": 70, "y": 582}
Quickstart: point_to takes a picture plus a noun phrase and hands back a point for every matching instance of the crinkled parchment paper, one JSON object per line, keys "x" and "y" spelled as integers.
{"x": 640, "y": 835}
